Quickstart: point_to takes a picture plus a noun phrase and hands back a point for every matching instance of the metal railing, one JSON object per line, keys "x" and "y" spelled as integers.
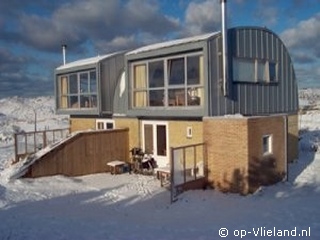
{"x": 188, "y": 168}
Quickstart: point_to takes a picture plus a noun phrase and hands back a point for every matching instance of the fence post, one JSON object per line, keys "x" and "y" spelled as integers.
{"x": 184, "y": 165}
{"x": 26, "y": 143}
{"x": 171, "y": 175}
{"x": 35, "y": 142}
{"x": 15, "y": 148}
{"x": 44, "y": 139}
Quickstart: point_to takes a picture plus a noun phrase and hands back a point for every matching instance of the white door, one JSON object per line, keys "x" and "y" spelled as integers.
{"x": 155, "y": 141}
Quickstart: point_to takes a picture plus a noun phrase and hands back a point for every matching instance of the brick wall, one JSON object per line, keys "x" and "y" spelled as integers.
{"x": 80, "y": 124}
{"x": 227, "y": 150}
{"x": 293, "y": 137}
{"x": 178, "y": 137}
{"x": 134, "y": 130}
{"x": 266, "y": 169}
{"x": 235, "y": 154}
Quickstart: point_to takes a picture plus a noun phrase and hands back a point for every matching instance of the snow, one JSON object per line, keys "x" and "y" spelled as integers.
{"x": 173, "y": 43}
{"x": 130, "y": 206}
{"x": 25, "y": 114}
{"x": 86, "y": 61}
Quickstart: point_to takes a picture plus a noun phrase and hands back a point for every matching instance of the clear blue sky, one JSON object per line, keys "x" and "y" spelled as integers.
{"x": 31, "y": 32}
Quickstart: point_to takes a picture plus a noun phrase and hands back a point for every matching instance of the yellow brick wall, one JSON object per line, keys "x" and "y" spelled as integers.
{"x": 80, "y": 124}
{"x": 178, "y": 133}
{"x": 293, "y": 137}
{"x": 235, "y": 152}
{"x": 266, "y": 169}
{"x": 227, "y": 149}
{"x": 178, "y": 137}
{"x": 134, "y": 130}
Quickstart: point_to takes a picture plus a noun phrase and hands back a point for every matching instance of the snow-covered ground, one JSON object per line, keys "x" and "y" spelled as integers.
{"x": 25, "y": 114}
{"x": 105, "y": 206}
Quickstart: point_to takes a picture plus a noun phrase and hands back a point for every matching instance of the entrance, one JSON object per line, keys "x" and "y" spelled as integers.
{"x": 155, "y": 141}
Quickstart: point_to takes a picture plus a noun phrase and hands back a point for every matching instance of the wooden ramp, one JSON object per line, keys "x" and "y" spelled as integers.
{"x": 80, "y": 154}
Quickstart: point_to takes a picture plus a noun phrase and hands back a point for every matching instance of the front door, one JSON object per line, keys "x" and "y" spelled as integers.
{"x": 155, "y": 141}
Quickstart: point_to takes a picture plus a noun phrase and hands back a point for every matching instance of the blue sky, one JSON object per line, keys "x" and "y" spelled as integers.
{"x": 31, "y": 32}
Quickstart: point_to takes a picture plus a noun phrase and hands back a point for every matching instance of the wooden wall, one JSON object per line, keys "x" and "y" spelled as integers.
{"x": 85, "y": 153}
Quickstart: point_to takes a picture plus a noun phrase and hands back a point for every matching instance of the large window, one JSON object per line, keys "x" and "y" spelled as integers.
{"x": 78, "y": 90}
{"x": 253, "y": 70}
{"x": 168, "y": 82}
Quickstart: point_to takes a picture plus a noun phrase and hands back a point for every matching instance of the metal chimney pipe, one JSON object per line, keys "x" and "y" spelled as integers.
{"x": 64, "y": 47}
{"x": 224, "y": 32}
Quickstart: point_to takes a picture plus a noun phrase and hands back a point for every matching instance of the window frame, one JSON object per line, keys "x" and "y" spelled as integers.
{"x": 268, "y": 141}
{"x": 105, "y": 123}
{"x": 196, "y": 88}
{"x": 85, "y": 100}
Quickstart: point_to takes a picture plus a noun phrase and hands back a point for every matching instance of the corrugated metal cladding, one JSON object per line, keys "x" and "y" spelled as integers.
{"x": 252, "y": 98}
{"x": 110, "y": 70}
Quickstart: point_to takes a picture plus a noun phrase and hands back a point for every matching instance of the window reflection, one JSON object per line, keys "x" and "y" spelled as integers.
{"x": 78, "y": 90}
{"x": 169, "y": 82}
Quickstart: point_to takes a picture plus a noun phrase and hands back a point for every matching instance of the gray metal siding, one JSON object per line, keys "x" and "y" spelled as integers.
{"x": 253, "y": 98}
{"x": 111, "y": 70}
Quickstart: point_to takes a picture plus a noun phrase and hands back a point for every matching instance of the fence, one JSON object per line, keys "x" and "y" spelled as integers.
{"x": 188, "y": 168}
{"x": 84, "y": 153}
{"x": 26, "y": 143}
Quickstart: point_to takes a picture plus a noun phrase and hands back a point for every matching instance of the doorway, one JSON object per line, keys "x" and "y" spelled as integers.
{"x": 155, "y": 141}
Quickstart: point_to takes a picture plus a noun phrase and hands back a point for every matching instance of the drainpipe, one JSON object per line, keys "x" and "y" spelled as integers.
{"x": 64, "y": 47}
{"x": 224, "y": 46}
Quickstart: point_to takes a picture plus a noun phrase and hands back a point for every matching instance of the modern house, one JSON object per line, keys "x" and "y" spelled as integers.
{"x": 241, "y": 104}
{"x": 85, "y": 89}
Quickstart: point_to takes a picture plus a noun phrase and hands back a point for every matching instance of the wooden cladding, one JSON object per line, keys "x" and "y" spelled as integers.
{"x": 85, "y": 153}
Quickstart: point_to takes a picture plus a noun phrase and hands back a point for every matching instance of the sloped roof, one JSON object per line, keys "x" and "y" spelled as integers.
{"x": 172, "y": 43}
{"x": 84, "y": 62}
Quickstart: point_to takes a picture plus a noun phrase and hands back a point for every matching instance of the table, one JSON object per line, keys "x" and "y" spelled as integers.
{"x": 163, "y": 174}
{"x": 116, "y": 167}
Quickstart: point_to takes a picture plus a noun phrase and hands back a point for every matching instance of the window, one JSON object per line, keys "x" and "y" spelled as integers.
{"x": 78, "y": 90}
{"x": 254, "y": 70}
{"x": 140, "y": 85}
{"x": 189, "y": 132}
{"x": 267, "y": 144}
{"x": 104, "y": 124}
{"x": 272, "y": 72}
{"x": 168, "y": 82}
{"x": 156, "y": 74}
{"x": 243, "y": 70}
{"x": 176, "y": 72}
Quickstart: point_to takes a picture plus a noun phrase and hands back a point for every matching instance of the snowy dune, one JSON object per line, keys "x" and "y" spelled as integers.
{"x": 105, "y": 206}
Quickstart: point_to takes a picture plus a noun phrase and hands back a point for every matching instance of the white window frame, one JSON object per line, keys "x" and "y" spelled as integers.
{"x": 189, "y": 132}
{"x": 269, "y": 141}
{"x": 105, "y": 123}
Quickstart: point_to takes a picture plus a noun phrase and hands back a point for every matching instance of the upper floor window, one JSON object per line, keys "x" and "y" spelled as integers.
{"x": 168, "y": 82}
{"x": 77, "y": 90}
{"x": 254, "y": 70}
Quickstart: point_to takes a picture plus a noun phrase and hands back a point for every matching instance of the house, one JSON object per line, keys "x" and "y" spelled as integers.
{"x": 240, "y": 104}
{"x": 85, "y": 89}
